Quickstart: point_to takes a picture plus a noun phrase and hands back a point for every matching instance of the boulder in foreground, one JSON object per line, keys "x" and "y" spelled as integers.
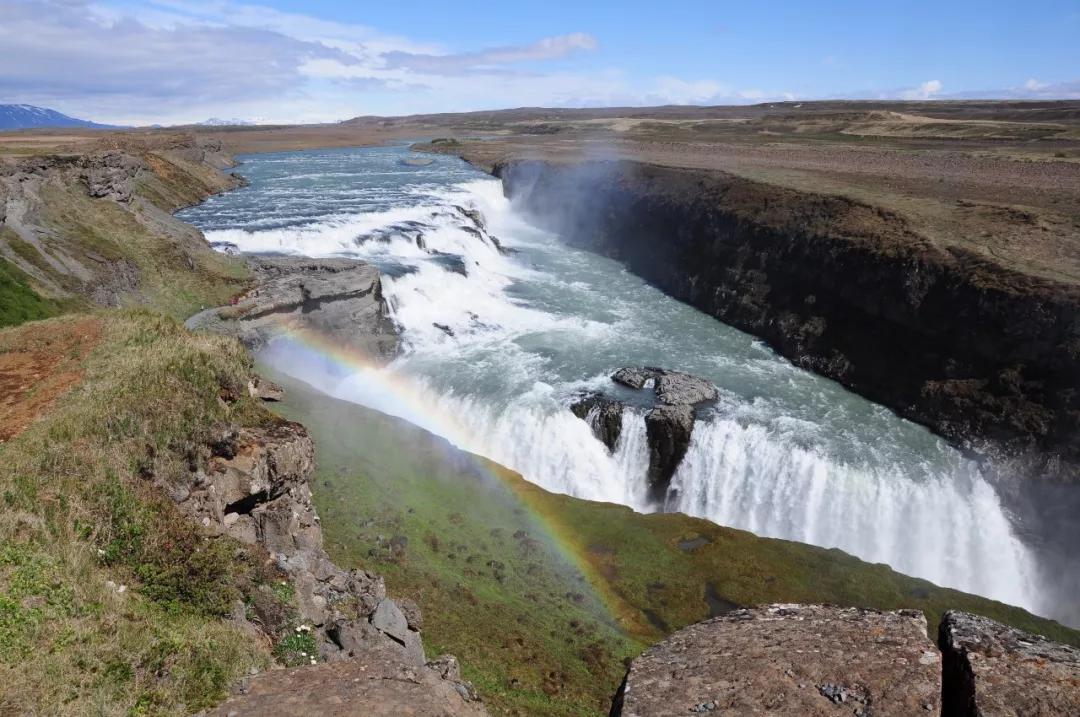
{"x": 791, "y": 660}
{"x": 993, "y": 670}
{"x": 376, "y": 682}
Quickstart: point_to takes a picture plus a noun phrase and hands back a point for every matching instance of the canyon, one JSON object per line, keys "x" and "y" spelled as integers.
{"x": 982, "y": 351}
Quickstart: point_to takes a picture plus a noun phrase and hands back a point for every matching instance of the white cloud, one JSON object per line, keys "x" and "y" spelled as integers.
{"x": 174, "y": 61}
{"x": 925, "y": 91}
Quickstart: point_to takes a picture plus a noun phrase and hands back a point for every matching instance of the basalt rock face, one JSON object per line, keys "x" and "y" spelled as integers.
{"x": 669, "y": 424}
{"x": 986, "y": 356}
{"x": 331, "y": 297}
{"x": 604, "y": 416}
{"x": 791, "y": 660}
{"x": 991, "y": 670}
{"x": 252, "y": 485}
{"x": 668, "y": 429}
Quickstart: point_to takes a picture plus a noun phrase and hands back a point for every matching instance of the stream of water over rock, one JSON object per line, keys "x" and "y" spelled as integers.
{"x": 497, "y": 344}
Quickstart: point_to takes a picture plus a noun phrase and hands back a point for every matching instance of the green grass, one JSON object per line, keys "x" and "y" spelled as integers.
{"x": 485, "y": 555}
{"x": 18, "y": 302}
{"x": 82, "y": 517}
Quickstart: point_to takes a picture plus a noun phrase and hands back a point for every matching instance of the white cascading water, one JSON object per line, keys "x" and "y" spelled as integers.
{"x": 498, "y": 345}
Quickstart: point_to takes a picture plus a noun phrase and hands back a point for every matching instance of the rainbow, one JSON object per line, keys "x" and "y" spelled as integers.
{"x": 410, "y": 405}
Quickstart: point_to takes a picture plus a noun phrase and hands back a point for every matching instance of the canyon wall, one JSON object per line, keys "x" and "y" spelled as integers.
{"x": 984, "y": 355}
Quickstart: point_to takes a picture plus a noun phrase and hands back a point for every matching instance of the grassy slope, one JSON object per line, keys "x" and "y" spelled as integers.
{"x": 79, "y": 510}
{"x": 532, "y": 632}
{"x": 176, "y": 271}
{"x": 18, "y": 300}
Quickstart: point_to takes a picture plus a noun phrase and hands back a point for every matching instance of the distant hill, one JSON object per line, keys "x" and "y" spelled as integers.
{"x": 29, "y": 117}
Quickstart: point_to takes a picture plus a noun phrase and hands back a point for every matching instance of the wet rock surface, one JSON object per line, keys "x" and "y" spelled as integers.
{"x": 790, "y": 660}
{"x": 996, "y": 671}
{"x": 670, "y": 424}
{"x": 604, "y": 416}
{"x": 668, "y": 429}
{"x": 333, "y": 297}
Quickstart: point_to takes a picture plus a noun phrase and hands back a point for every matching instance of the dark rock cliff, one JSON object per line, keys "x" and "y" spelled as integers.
{"x": 987, "y": 357}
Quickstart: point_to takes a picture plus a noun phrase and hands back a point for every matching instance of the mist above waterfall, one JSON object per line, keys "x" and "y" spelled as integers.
{"x": 497, "y": 344}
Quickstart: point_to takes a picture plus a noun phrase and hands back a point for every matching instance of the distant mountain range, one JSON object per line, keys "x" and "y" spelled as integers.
{"x": 29, "y": 117}
{"x": 218, "y": 122}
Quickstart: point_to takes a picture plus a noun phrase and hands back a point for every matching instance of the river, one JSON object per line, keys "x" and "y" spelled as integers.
{"x": 497, "y": 344}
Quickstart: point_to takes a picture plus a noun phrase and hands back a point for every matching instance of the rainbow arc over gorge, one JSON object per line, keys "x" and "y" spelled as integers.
{"x": 414, "y": 407}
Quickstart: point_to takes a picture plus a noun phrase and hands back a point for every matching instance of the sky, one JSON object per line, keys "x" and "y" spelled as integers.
{"x": 178, "y": 61}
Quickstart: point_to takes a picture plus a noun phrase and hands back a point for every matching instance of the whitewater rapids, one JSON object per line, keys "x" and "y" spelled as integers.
{"x": 498, "y": 343}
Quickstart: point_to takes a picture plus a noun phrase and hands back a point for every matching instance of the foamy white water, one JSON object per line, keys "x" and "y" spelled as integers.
{"x": 498, "y": 344}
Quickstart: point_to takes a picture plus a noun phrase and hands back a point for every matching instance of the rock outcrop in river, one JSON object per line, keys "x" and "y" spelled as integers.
{"x": 669, "y": 423}
{"x": 983, "y": 354}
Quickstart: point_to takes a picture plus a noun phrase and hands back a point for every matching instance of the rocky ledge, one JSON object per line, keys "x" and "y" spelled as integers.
{"x": 995, "y": 670}
{"x": 669, "y": 423}
{"x": 252, "y": 485}
{"x": 825, "y": 660}
{"x": 339, "y": 298}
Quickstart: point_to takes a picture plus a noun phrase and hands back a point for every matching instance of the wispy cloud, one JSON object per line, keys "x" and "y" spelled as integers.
{"x": 493, "y": 60}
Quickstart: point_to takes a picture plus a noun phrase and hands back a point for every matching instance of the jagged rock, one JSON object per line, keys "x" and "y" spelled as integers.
{"x": 673, "y": 387}
{"x": 669, "y": 425}
{"x": 668, "y": 429}
{"x": 447, "y": 667}
{"x": 378, "y": 681}
{"x": 677, "y": 388}
{"x": 635, "y": 378}
{"x": 255, "y": 489}
{"x": 264, "y": 390}
{"x": 111, "y": 175}
{"x": 412, "y": 613}
{"x": 993, "y": 670}
{"x": 604, "y": 416}
{"x": 791, "y": 660}
{"x": 388, "y": 618}
{"x": 332, "y": 297}
{"x": 474, "y": 216}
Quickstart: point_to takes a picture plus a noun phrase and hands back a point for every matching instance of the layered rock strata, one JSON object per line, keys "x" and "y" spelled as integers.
{"x": 340, "y": 299}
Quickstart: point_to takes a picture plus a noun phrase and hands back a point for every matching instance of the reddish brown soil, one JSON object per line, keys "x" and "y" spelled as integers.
{"x": 37, "y": 366}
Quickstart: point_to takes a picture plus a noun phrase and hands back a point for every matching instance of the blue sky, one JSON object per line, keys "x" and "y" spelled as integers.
{"x": 168, "y": 61}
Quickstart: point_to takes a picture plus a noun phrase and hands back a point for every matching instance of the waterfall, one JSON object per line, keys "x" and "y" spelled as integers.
{"x": 502, "y": 342}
